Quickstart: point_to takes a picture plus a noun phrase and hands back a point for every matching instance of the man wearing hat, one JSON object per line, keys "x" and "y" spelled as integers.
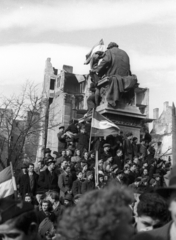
{"x": 47, "y": 152}
{"x": 61, "y": 139}
{"x": 17, "y": 220}
{"x": 48, "y": 179}
{"x": 168, "y": 231}
{"x": 106, "y": 152}
{"x": 128, "y": 147}
{"x": 22, "y": 179}
{"x": 83, "y": 140}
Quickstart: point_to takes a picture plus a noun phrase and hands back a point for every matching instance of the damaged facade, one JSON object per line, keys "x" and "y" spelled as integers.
{"x": 65, "y": 97}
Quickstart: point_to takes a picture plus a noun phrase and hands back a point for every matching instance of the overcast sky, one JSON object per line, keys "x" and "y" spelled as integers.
{"x": 31, "y": 31}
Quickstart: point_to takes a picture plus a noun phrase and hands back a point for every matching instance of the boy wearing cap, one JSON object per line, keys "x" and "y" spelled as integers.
{"x": 61, "y": 139}
{"x": 106, "y": 152}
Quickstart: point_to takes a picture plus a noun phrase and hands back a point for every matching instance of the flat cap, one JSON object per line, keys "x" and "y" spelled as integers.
{"x": 47, "y": 150}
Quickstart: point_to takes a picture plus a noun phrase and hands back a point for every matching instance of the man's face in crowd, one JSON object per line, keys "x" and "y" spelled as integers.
{"x": 145, "y": 172}
{"x": 24, "y": 170}
{"x": 78, "y": 153}
{"x": 67, "y": 170}
{"x": 64, "y": 164}
{"x": 136, "y": 184}
{"x": 45, "y": 207}
{"x": 145, "y": 165}
{"x": 85, "y": 168}
{"x": 68, "y": 153}
{"x": 130, "y": 137}
{"x": 101, "y": 179}
{"x": 86, "y": 155}
{"x": 76, "y": 201}
{"x": 54, "y": 155}
{"x": 40, "y": 165}
{"x": 90, "y": 177}
{"x": 31, "y": 169}
{"x": 66, "y": 202}
{"x": 61, "y": 130}
{"x": 63, "y": 153}
{"x": 119, "y": 153}
{"x": 92, "y": 155}
{"x": 109, "y": 160}
{"x": 28, "y": 199}
{"x": 79, "y": 176}
{"x": 136, "y": 161}
{"x": 133, "y": 168}
{"x": 127, "y": 171}
{"x": 145, "y": 223}
{"x": 83, "y": 130}
{"x": 51, "y": 166}
{"x": 100, "y": 162}
{"x": 106, "y": 149}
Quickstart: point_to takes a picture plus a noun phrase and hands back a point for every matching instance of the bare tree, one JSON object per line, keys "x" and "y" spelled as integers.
{"x": 20, "y": 123}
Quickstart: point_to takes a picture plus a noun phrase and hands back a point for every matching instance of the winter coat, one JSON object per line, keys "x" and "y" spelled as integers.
{"x": 87, "y": 186}
{"x": 115, "y": 62}
{"x": 76, "y": 187}
{"x": 48, "y": 181}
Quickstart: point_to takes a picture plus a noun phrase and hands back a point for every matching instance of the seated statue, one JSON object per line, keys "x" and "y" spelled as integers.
{"x": 114, "y": 63}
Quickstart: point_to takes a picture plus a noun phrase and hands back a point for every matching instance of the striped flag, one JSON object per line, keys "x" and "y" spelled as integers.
{"x": 7, "y": 183}
{"x": 102, "y": 127}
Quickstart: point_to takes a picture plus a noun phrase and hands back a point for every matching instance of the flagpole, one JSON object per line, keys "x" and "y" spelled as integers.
{"x": 91, "y": 131}
{"x": 96, "y": 168}
{"x": 13, "y": 180}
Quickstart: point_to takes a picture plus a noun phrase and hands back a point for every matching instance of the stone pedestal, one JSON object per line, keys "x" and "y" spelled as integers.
{"x": 130, "y": 111}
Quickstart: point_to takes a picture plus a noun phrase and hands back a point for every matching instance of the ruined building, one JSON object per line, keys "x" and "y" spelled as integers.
{"x": 65, "y": 97}
{"x": 162, "y": 129}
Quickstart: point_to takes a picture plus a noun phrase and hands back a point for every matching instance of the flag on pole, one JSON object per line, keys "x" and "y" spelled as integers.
{"x": 96, "y": 168}
{"x": 7, "y": 183}
{"x": 102, "y": 127}
{"x": 99, "y": 47}
{"x": 173, "y": 134}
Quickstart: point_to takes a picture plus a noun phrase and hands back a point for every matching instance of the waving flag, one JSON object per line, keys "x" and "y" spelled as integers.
{"x": 99, "y": 47}
{"x": 102, "y": 127}
{"x": 7, "y": 183}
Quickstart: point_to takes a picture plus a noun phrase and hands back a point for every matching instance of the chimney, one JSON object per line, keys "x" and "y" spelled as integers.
{"x": 156, "y": 113}
{"x": 166, "y": 105}
{"x": 67, "y": 68}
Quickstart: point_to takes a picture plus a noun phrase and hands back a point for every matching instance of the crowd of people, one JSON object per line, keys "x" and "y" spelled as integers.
{"x": 62, "y": 179}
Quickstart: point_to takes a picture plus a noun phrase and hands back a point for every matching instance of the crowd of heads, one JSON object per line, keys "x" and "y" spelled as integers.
{"x": 75, "y": 196}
